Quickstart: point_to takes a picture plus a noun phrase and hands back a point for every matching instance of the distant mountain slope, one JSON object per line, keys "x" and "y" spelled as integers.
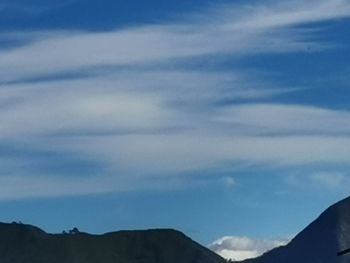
{"x": 319, "y": 242}
{"x": 27, "y": 244}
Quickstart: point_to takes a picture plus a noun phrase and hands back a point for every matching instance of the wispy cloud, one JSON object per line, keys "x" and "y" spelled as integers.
{"x": 290, "y": 13}
{"x": 132, "y": 101}
{"x": 15, "y": 187}
{"x": 331, "y": 180}
{"x": 281, "y": 119}
{"x": 265, "y": 28}
{"x": 326, "y": 180}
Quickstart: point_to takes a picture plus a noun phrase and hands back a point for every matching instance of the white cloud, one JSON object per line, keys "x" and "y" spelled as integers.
{"x": 139, "y": 112}
{"x": 136, "y": 131}
{"x": 160, "y": 154}
{"x": 264, "y": 28}
{"x": 120, "y": 102}
{"x": 20, "y": 186}
{"x": 47, "y": 113}
{"x": 292, "y": 13}
{"x": 240, "y": 248}
{"x": 279, "y": 119}
{"x": 156, "y": 140}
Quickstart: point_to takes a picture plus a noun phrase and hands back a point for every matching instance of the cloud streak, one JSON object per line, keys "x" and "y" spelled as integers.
{"x": 266, "y": 28}
{"x": 135, "y": 102}
{"x": 331, "y": 180}
{"x": 282, "y": 119}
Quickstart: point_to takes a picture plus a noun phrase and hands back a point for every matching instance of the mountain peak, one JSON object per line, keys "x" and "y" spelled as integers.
{"x": 320, "y": 242}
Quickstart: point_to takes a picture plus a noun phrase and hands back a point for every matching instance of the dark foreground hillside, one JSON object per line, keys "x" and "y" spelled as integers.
{"x": 320, "y": 242}
{"x": 27, "y": 244}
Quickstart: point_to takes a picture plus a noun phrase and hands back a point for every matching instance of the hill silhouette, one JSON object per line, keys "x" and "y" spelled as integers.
{"x": 321, "y": 242}
{"x": 21, "y": 243}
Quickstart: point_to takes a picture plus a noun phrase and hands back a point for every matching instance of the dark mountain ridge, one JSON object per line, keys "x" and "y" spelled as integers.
{"x": 320, "y": 242}
{"x": 20, "y": 243}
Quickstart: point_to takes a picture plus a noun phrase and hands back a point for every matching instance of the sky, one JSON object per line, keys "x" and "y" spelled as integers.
{"x": 228, "y": 120}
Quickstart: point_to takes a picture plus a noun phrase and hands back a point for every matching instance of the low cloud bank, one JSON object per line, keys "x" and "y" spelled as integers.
{"x": 240, "y": 248}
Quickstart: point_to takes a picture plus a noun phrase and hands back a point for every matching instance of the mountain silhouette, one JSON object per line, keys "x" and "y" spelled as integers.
{"x": 323, "y": 241}
{"x": 21, "y": 243}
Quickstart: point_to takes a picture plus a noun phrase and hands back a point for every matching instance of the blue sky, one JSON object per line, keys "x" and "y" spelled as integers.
{"x": 218, "y": 118}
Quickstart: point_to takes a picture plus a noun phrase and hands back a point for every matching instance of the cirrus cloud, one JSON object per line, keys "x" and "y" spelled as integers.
{"x": 136, "y": 102}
